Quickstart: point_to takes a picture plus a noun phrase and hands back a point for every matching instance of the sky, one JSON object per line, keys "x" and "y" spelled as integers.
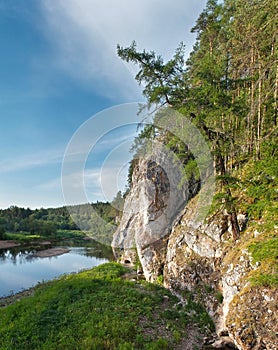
{"x": 64, "y": 91}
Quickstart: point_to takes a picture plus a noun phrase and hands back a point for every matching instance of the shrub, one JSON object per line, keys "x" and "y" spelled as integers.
{"x": 2, "y": 233}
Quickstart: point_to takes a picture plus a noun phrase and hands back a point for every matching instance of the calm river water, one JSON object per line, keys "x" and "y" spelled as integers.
{"x": 20, "y": 270}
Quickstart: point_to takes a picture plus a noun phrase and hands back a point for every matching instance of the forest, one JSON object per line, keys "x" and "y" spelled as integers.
{"x": 97, "y": 219}
{"x": 228, "y": 89}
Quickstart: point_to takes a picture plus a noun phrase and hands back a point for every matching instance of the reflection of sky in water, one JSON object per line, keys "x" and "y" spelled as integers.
{"x": 19, "y": 272}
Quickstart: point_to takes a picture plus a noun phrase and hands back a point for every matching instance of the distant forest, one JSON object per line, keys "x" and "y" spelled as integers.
{"x": 96, "y": 219}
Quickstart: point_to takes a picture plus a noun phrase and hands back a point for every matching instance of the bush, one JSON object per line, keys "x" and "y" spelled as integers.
{"x": 2, "y": 233}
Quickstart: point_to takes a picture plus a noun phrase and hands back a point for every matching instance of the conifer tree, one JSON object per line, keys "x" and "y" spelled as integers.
{"x": 228, "y": 87}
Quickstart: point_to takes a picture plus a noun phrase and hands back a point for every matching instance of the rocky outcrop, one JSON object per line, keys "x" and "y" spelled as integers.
{"x": 150, "y": 211}
{"x": 252, "y": 318}
{"x": 216, "y": 270}
{"x": 194, "y": 258}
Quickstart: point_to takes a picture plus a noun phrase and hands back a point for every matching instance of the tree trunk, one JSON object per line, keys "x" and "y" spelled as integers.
{"x": 259, "y": 113}
{"x": 275, "y": 96}
{"x": 235, "y": 226}
{"x": 231, "y": 209}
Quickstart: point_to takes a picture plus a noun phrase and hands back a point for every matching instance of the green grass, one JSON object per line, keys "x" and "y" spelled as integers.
{"x": 22, "y": 237}
{"x": 69, "y": 234}
{"x": 95, "y": 309}
{"x": 264, "y": 279}
{"x": 265, "y": 252}
{"x": 26, "y": 237}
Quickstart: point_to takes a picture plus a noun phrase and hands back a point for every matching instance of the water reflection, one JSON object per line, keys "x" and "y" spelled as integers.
{"x": 15, "y": 257}
{"x": 20, "y": 269}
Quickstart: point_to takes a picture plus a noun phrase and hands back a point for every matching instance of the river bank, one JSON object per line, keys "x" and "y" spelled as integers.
{"x": 8, "y": 244}
{"x": 47, "y": 253}
{"x": 44, "y": 253}
{"x": 102, "y": 309}
{"x": 11, "y": 299}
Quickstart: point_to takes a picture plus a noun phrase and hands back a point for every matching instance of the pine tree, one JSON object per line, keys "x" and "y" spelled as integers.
{"x": 228, "y": 87}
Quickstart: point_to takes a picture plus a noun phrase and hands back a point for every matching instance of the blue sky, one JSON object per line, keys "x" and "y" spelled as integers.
{"x": 58, "y": 68}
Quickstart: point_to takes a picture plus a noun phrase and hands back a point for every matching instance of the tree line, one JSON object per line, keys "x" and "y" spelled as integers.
{"x": 46, "y": 222}
{"x": 228, "y": 88}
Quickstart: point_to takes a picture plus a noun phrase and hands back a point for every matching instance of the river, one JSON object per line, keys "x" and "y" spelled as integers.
{"x": 20, "y": 270}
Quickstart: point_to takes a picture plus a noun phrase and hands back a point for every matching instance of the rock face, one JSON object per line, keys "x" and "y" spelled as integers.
{"x": 158, "y": 233}
{"x": 149, "y": 212}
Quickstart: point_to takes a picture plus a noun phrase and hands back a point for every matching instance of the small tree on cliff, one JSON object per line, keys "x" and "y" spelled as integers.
{"x": 163, "y": 82}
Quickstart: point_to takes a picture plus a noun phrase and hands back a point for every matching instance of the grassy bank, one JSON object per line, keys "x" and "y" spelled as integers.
{"x": 99, "y": 309}
{"x": 26, "y": 237}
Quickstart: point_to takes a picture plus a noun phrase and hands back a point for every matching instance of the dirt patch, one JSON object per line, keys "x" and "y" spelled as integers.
{"x": 51, "y": 252}
{"x": 5, "y": 301}
{"x": 45, "y": 243}
{"x": 8, "y": 244}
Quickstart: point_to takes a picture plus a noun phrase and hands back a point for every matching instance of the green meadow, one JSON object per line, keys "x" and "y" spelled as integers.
{"x": 101, "y": 309}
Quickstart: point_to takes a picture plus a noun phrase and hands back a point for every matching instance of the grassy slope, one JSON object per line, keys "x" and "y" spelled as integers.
{"x": 258, "y": 196}
{"x": 98, "y": 309}
{"x": 255, "y": 193}
{"x": 26, "y": 237}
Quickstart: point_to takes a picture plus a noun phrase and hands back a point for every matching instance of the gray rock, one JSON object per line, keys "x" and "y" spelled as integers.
{"x": 160, "y": 232}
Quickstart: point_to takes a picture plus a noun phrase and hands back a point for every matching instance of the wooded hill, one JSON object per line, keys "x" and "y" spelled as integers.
{"x": 228, "y": 89}
{"x": 93, "y": 218}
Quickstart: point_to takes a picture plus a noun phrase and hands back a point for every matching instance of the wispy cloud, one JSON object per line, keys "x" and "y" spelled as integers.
{"x": 30, "y": 161}
{"x": 85, "y": 34}
{"x": 94, "y": 168}
{"x": 109, "y": 142}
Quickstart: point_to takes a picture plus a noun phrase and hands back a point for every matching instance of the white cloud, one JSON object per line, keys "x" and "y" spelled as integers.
{"x": 85, "y": 34}
{"x": 31, "y": 161}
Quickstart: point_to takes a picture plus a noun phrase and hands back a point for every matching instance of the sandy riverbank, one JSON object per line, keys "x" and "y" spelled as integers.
{"x": 8, "y": 244}
{"x": 46, "y": 253}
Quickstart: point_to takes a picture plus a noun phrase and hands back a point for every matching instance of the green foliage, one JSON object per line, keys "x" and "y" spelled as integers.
{"x": 260, "y": 181}
{"x": 96, "y": 219}
{"x": 2, "y": 233}
{"x": 266, "y": 249}
{"x": 228, "y": 89}
{"x": 22, "y": 237}
{"x": 265, "y": 252}
{"x": 219, "y": 297}
{"x": 163, "y": 82}
{"x": 131, "y": 168}
{"x": 200, "y": 316}
{"x": 95, "y": 309}
{"x": 265, "y": 279}
{"x": 160, "y": 280}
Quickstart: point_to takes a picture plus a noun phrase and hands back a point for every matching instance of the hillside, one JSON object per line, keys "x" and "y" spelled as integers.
{"x": 201, "y": 213}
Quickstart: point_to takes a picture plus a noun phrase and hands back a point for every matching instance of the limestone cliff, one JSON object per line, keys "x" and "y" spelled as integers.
{"x": 150, "y": 211}
{"x": 196, "y": 258}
